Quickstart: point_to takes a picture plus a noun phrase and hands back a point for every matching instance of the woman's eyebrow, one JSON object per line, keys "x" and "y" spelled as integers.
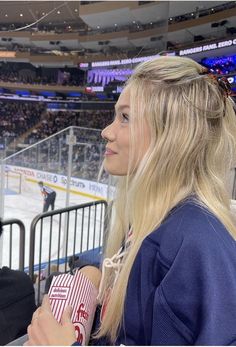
{"x": 121, "y": 107}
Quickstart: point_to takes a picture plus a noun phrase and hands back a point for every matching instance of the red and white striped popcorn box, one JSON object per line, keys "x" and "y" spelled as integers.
{"x": 81, "y": 294}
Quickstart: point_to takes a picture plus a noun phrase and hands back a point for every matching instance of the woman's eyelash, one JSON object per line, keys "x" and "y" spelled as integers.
{"x": 125, "y": 116}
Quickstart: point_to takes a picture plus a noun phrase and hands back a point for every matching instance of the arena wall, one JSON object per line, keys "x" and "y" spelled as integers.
{"x": 91, "y": 189}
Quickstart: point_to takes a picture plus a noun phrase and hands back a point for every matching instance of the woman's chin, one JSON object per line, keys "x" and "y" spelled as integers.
{"x": 114, "y": 171}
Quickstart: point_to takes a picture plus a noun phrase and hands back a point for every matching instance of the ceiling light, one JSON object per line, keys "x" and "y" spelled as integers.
{"x": 134, "y": 21}
{"x": 21, "y": 14}
{"x": 6, "y": 15}
{"x": 43, "y": 13}
{"x": 58, "y": 12}
{"x": 115, "y": 25}
{"x": 98, "y": 27}
{"x": 76, "y": 9}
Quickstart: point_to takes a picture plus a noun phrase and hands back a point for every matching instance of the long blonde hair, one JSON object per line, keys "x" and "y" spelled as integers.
{"x": 193, "y": 131}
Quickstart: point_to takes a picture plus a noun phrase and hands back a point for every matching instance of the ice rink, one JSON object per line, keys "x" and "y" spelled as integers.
{"x": 29, "y": 203}
{"x": 25, "y": 207}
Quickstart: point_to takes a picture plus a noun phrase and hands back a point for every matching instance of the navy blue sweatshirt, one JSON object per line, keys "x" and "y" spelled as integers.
{"x": 182, "y": 286}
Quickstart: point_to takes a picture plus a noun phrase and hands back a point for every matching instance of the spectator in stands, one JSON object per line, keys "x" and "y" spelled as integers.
{"x": 17, "y": 303}
{"x": 170, "y": 259}
{"x": 17, "y": 116}
{"x": 49, "y": 196}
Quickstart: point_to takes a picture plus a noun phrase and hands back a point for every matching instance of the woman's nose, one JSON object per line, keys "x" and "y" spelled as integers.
{"x": 108, "y": 133}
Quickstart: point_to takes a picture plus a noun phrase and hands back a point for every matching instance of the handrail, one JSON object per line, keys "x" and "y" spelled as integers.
{"x": 21, "y": 225}
{"x": 50, "y": 214}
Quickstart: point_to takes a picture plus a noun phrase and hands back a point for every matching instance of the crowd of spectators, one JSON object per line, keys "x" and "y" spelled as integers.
{"x": 88, "y": 150}
{"x": 15, "y": 72}
{"x": 16, "y": 77}
{"x": 17, "y": 116}
{"x": 52, "y": 154}
{"x": 56, "y": 121}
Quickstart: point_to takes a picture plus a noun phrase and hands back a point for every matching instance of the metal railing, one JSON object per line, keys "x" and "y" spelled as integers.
{"x": 9, "y": 223}
{"x": 57, "y": 235}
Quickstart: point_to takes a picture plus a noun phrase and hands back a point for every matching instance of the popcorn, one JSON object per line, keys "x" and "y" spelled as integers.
{"x": 81, "y": 294}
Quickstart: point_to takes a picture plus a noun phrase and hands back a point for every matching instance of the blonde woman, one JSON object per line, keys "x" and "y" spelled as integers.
{"x": 169, "y": 273}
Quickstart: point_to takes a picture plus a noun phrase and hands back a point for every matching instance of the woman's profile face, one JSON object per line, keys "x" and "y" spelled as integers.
{"x": 117, "y": 134}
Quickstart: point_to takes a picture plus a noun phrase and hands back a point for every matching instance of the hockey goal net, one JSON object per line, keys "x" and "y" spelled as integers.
{"x": 13, "y": 182}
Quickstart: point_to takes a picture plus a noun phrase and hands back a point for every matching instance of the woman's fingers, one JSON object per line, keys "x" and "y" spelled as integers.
{"x": 35, "y": 314}
{"x": 34, "y": 336}
{"x": 66, "y": 316}
{"x": 46, "y": 303}
{"x": 45, "y": 330}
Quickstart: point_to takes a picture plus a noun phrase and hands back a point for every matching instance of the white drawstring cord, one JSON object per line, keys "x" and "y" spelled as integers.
{"x": 113, "y": 262}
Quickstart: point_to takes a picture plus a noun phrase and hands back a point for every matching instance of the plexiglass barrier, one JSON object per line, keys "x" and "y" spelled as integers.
{"x": 68, "y": 162}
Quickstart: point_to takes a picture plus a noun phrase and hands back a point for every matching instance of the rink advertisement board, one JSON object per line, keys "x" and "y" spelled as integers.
{"x": 208, "y": 47}
{"x": 84, "y": 187}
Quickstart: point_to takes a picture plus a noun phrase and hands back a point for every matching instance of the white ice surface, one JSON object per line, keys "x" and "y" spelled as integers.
{"x": 26, "y": 206}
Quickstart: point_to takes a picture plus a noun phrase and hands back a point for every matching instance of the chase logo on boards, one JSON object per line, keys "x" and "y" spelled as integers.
{"x": 46, "y": 177}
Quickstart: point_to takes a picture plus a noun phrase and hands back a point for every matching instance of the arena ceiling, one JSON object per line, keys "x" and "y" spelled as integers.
{"x": 27, "y": 17}
{"x": 27, "y": 12}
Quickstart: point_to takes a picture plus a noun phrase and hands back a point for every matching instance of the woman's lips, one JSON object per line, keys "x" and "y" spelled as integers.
{"x": 108, "y": 151}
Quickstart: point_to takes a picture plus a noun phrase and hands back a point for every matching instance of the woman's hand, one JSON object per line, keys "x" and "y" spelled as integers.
{"x": 45, "y": 330}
